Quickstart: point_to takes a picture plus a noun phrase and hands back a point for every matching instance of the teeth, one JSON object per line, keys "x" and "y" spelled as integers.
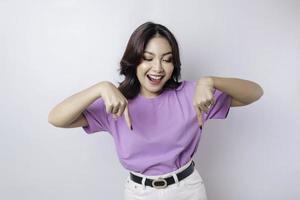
{"x": 155, "y": 77}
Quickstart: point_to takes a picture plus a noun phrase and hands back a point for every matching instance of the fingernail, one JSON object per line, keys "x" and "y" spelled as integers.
{"x": 131, "y": 127}
{"x": 201, "y": 127}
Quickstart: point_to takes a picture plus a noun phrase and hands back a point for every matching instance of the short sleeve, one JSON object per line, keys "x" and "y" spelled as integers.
{"x": 220, "y": 109}
{"x": 96, "y": 117}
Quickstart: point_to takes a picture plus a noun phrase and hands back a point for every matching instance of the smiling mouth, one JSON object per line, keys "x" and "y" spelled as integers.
{"x": 154, "y": 79}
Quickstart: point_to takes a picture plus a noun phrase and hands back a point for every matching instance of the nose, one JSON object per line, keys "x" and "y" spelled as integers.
{"x": 157, "y": 66}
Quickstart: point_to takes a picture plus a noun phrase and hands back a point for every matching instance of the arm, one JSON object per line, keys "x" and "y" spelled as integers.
{"x": 68, "y": 112}
{"x": 243, "y": 92}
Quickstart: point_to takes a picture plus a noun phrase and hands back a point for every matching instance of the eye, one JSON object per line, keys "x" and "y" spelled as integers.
{"x": 169, "y": 60}
{"x": 147, "y": 59}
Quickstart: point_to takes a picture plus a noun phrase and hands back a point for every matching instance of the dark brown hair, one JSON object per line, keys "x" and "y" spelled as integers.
{"x": 133, "y": 54}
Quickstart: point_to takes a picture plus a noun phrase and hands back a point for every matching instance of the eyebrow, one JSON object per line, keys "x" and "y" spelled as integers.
{"x": 154, "y": 54}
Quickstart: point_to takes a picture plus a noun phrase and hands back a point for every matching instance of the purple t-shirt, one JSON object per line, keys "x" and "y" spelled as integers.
{"x": 165, "y": 132}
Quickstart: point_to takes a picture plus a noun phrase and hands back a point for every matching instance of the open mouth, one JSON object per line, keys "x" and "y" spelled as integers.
{"x": 154, "y": 79}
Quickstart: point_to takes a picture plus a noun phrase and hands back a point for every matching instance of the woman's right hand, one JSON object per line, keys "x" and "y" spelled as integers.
{"x": 115, "y": 102}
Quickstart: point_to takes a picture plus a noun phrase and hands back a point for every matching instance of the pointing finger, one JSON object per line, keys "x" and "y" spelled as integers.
{"x": 199, "y": 116}
{"x": 127, "y": 117}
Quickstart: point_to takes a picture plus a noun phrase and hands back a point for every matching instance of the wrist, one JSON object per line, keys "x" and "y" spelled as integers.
{"x": 206, "y": 80}
{"x": 100, "y": 87}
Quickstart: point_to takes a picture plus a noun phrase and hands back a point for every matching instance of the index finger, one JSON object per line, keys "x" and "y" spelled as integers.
{"x": 127, "y": 117}
{"x": 199, "y": 116}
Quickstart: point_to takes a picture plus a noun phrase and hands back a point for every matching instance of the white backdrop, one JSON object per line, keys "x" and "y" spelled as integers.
{"x": 50, "y": 50}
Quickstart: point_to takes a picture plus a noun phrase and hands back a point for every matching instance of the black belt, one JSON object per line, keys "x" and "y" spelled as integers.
{"x": 164, "y": 182}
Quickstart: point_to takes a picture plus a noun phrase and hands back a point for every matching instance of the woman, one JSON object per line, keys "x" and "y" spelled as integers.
{"x": 155, "y": 120}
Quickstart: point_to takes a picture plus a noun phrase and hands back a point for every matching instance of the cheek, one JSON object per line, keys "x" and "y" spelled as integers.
{"x": 170, "y": 70}
{"x": 141, "y": 72}
{"x": 142, "y": 68}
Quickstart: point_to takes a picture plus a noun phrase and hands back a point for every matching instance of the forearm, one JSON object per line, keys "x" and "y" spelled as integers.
{"x": 70, "y": 109}
{"x": 244, "y": 91}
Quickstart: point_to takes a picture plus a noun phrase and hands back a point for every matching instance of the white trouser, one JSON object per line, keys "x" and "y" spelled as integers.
{"x": 190, "y": 188}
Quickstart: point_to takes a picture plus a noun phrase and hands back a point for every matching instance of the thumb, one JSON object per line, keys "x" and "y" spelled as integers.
{"x": 127, "y": 117}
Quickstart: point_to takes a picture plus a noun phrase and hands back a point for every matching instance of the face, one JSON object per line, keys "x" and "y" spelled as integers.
{"x": 156, "y": 67}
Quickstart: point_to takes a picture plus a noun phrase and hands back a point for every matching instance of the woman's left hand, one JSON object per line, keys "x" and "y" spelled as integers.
{"x": 203, "y": 97}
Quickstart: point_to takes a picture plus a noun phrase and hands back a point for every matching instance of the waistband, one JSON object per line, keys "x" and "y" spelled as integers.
{"x": 166, "y": 174}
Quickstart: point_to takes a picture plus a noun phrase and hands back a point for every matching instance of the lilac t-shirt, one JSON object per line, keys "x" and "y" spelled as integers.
{"x": 165, "y": 132}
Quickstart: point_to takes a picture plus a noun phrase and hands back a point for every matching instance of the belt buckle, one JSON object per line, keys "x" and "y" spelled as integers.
{"x": 159, "y": 186}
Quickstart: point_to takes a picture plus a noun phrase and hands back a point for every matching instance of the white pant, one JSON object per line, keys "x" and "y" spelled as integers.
{"x": 190, "y": 188}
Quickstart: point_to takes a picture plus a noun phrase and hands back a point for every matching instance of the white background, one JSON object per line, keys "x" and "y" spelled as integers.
{"x": 50, "y": 50}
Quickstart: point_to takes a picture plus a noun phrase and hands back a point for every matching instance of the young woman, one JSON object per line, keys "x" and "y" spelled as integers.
{"x": 155, "y": 120}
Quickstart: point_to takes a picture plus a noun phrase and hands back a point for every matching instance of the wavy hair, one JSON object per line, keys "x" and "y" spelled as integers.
{"x": 133, "y": 54}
